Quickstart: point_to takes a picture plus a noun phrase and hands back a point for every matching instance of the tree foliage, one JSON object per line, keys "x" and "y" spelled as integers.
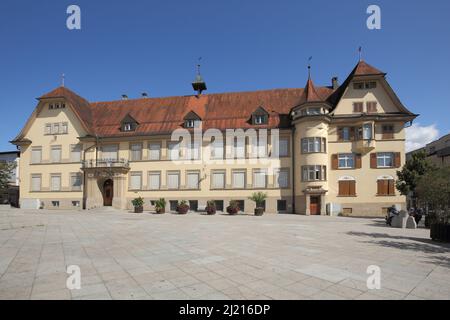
{"x": 412, "y": 171}
{"x": 433, "y": 189}
{"x": 6, "y": 170}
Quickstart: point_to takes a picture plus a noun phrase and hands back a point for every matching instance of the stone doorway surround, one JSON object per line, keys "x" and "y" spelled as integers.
{"x": 315, "y": 192}
{"x": 95, "y": 178}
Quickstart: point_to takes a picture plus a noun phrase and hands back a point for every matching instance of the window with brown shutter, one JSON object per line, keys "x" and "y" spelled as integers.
{"x": 334, "y": 162}
{"x": 358, "y": 161}
{"x": 373, "y": 160}
{"x": 386, "y": 187}
{"x": 358, "y": 107}
{"x": 340, "y": 133}
{"x": 371, "y": 107}
{"x": 387, "y": 132}
{"x": 352, "y": 133}
{"x": 397, "y": 159}
{"x": 347, "y": 188}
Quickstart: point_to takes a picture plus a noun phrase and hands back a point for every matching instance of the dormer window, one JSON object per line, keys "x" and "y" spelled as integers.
{"x": 311, "y": 111}
{"x": 128, "y": 124}
{"x": 192, "y": 120}
{"x": 260, "y": 116}
{"x": 365, "y": 85}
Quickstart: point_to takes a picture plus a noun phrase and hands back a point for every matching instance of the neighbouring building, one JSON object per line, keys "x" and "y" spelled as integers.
{"x": 339, "y": 149}
{"x": 12, "y": 194}
{"x": 438, "y": 152}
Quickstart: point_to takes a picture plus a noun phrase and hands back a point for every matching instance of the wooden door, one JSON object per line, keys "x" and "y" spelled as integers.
{"x": 108, "y": 192}
{"x": 314, "y": 206}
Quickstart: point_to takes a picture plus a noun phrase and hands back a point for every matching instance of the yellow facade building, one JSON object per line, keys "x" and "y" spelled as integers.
{"x": 333, "y": 149}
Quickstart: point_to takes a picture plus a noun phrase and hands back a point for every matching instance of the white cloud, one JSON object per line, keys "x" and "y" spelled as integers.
{"x": 418, "y": 136}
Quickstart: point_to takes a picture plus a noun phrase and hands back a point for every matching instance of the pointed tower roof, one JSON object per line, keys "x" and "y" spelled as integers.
{"x": 310, "y": 93}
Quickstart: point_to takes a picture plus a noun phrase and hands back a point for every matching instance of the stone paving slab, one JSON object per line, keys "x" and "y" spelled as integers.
{"x": 124, "y": 256}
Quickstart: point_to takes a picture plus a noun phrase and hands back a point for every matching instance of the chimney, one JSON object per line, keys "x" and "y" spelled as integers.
{"x": 335, "y": 83}
{"x": 124, "y": 97}
{"x": 144, "y": 95}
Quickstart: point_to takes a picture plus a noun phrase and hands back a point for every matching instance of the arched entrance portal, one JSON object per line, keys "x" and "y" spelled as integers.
{"x": 108, "y": 192}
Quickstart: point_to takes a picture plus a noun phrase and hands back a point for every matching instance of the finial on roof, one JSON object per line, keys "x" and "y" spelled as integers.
{"x": 199, "y": 84}
{"x": 63, "y": 80}
{"x": 309, "y": 67}
{"x": 360, "y": 53}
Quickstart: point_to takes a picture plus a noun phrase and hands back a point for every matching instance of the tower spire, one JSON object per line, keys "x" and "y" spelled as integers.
{"x": 199, "y": 84}
{"x": 360, "y": 53}
{"x": 63, "y": 80}
{"x": 309, "y": 67}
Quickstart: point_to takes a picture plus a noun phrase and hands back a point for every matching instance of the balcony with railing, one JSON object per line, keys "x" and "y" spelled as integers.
{"x": 106, "y": 163}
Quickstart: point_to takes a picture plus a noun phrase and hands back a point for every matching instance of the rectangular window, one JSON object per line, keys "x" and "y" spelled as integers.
{"x": 136, "y": 151}
{"x": 282, "y": 178}
{"x": 55, "y": 182}
{"x": 154, "y": 180}
{"x": 174, "y": 150}
{"x": 239, "y": 148}
{"x": 135, "y": 180}
{"x": 238, "y": 179}
{"x": 218, "y": 180}
{"x": 219, "y": 205}
{"x": 386, "y": 187}
{"x": 346, "y": 161}
{"x": 56, "y": 154}
{"x": 367, "y": 131}
{"x": 371, "y": 107}
{"x": 173, "y": 205}
{"x": 281, "y": 205}
{"x": 64, "y": 128}
{"x": 358, "y": 107}
{"x": 110, "y": 152}
{"x": 173, "y": 180}
{"x": 36, "y": 155}
{"x": 313, "y": 111}
{"x": 314, "y": 173}
{"x": 387, "y": 131}
{"x": 55, "y": 204}
{"x": 347, "y": 188}
{"x": 194, "y": 151}
{"x": 75, "y": 152}
{"x": 385, "y": 160}
{"x": 259, "y": 179}
{"x": 259, "y": 148}
{"x": 75, "y": 203}
{"x": 154, "y": 151}
{"x": 313, "y": 145}
{"x": 217, "y": 149}
{"x": 193, "y": 180}
{"x": 283, "y": 147}
{"x": 193, "y": 205}
{"x": 36, "y": 182}
{"x": 48, "y": 129}
{"x": 76, "y": 181}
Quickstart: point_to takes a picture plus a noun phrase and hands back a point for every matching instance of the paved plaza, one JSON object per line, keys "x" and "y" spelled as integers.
{"x": 124, "y": 255}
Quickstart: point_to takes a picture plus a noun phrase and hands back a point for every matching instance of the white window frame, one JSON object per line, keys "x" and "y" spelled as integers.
{"x": 233, "y": 180}
{"x": 213, "y": 182}
{"x": 257, "y": 172}
{"x": 192, "y": 173}
{"x": 52, "y": 186}
{"x": 173, "y": 173}
{"x": 347, "y": 158}
{"x": 150, "y": 150}
{"x": 135, "y": 174}
{"x": 154, "y": 174}
{"x": 383, "y": 157}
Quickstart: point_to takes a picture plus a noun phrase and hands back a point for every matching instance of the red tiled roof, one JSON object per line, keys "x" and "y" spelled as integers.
{"x": 221, "y": 111}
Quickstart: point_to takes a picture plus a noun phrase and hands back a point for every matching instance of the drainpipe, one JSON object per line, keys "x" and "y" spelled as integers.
{"x": 293, "y": 169}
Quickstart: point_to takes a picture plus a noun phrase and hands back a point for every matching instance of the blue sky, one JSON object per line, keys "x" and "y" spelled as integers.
{"x": 135, "y": 45}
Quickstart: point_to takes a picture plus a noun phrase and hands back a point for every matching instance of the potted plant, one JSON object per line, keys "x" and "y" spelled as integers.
{"x": 210, "y": 207}
{"x": 233, "y": 208}
{"x": 183, "y": 207}
{"x": 259, "y": 198}
{"x": 138, "y": 204}
{"x": 160, "y": 206}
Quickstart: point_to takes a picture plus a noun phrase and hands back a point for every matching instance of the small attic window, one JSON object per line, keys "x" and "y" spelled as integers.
{"x": 190, "y": 123}
{"x": 365, "y": 85}
{"x": 50, "y": 106}
{"x": 127, "y": 127}
{"x": 259, "y": 119}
